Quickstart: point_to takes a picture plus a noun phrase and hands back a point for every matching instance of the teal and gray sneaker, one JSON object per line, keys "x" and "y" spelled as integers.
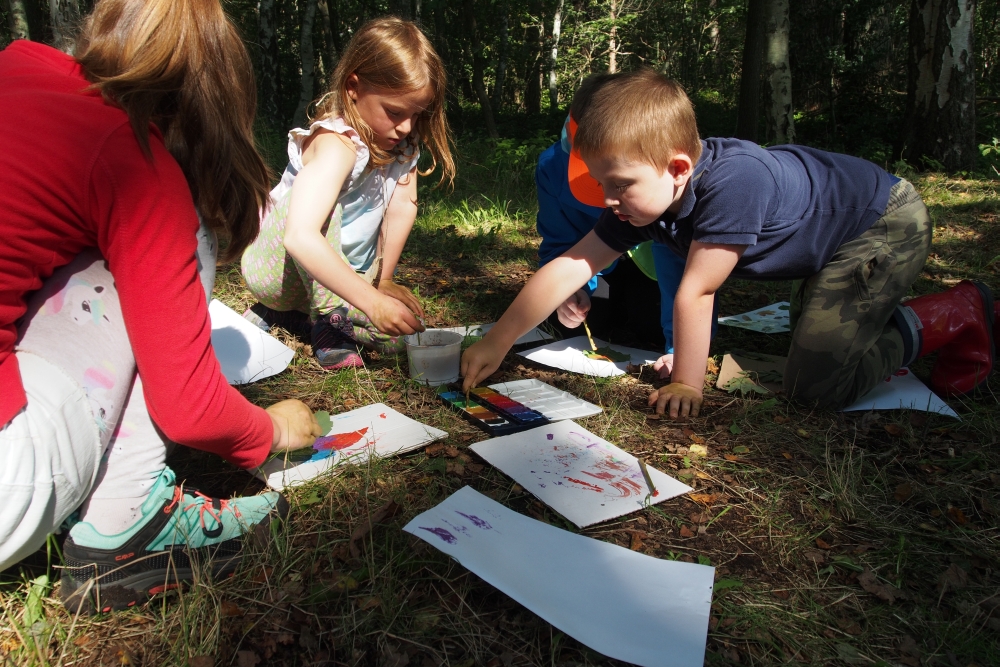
{"x": 180, "y": 532}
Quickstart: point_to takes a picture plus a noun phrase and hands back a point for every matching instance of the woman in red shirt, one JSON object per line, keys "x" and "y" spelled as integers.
{"x": 108, "y": 161}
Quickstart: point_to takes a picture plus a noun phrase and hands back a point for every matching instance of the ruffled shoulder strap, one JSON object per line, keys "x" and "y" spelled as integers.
{"x": 297, "y": 138}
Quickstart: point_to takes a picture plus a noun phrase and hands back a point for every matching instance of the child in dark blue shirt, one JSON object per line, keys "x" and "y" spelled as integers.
{"x": 856, "y": 236}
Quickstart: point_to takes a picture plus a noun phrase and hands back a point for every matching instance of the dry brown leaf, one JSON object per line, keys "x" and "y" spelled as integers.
{"x": 711, "y": 366}
{"x": 787, "y": 455}
{"x": 263, "y": 575}
{"x": 957, "y": 515}
{"x": 230, "y": 609}
{"x": 823, "y": 544}
{"x": 201, "y": 661}
{"x": 953, "y": 579}
{"x": 285, "y": 638}
{"x": 635, "y": 541}
{"x": 814, "y": 555}
{"x": 698, "y": 517}
{"x": 434, "y": 450}
{"x": 474, "y": 468}
{"x": 451, "y": 451}
{"x": 369, "y": 602}
{"x": 706, "y": 498}
{"x": 350, "y": 403}
{"x": 686, "y": 532}
{"x": 247, "y": 659}
{"x": 781, "y": 419}
{"x": 697, "y": 439}
{"x": 731, "y": 457}
{"x": 454, "y": 468}
{"x": 885, "y": 592}
{"x": 894, "y": 430}
{"x": 903, "y": 492}
{"x": 393, "y": 396}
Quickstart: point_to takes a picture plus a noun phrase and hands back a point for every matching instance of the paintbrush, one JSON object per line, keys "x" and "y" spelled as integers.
{"x": 589, "y": 337}
{"x": 649, "y": 480}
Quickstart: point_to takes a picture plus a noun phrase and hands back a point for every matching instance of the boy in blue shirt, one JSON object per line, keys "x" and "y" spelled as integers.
{"x": 855, "y": 235}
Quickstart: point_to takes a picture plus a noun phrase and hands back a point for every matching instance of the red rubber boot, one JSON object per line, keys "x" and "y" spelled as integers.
{"x": 959, "y": 324}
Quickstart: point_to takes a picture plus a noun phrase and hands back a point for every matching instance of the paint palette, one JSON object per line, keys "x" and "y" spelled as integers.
{"x": 493, "y": 412}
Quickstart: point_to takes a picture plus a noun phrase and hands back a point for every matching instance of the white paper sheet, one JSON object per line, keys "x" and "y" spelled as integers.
{"x": 353, "y": 437}
{"x": 626, "y": 605}
{"x": 904, "y": 390}
{"x": 568, "y": 356}
{"x": 583, "y": 477}
{"x": 769, "y": 319}
{"x": 245, "y": 353}
{"x": 551, "y": 402}
{"x": 536, "y": 335}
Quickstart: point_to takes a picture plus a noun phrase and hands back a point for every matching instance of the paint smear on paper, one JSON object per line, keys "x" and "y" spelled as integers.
{"x": 328, "y": 445}
{"x": 443, "y": 533}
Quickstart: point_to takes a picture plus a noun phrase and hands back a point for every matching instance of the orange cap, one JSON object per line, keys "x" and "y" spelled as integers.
{"x": 581, "y": 183}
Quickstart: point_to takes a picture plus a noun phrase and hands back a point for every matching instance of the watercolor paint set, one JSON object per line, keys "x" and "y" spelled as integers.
{"x": 492, "y": 412}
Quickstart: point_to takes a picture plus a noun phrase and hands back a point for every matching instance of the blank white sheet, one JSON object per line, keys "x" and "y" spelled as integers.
{"x": 583, "y": 477}
{"x": 903, "y": 390}
{"x": 568, "y": 356}
{"x": 245, "y": 353}
{"x": 624, "y": 604}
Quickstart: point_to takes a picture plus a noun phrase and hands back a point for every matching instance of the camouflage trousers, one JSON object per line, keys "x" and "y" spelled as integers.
{"x": 844, "y": 340}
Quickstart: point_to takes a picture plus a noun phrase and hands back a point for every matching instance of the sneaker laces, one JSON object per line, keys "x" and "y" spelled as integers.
{"x": 214, "y": 507}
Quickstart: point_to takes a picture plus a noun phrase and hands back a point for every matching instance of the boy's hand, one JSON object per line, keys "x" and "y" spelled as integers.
{"x": 401, "y": 294}
{"x": 664, "y": 365}
{"x": 479, "y": 362}
{"x": 392, "y": 316}
{"x": 684, "y": 400}
{"x": 573, "y": 310}
{"x": 295, "y": 425}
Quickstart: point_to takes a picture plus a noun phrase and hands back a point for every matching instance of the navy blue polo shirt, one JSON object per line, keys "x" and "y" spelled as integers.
{"x": 792, "y": 206}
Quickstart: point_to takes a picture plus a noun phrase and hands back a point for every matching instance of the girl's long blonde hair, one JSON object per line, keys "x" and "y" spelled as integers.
{"x": 182, "y": 65}
{"x": 394, "y": 55}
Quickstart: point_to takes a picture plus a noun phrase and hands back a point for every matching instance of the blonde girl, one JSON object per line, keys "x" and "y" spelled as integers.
{"x": 340, "y": 216}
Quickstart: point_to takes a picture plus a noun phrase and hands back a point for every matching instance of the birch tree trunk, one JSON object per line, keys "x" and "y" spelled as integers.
{"x": 329, "y": 52}
{"x": 501, "y": 75}
{"x": 613, "y": 39}
{"x": 554, "y": 56}
{"x": 268, "y": 62}
{"x": 65, "y": 17}
{"x": 941, "y": 100}
{"x": 307, "y": 56}
{"x": 18, "y": 19}
{"x": 749, "y": 104}
{"x": 780, "y": 118}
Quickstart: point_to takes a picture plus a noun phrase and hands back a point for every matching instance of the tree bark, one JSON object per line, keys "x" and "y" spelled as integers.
{"x": 307, "y": 56}
{"x": 941, "y": 97}
{"x": 478, "y": 70}
{"x": 268, "y": 63}
{"x": 65, "y": 17}
{"x": 753, "y": 51}
{"x": 18, "y": 20}
{"x": 501, "y": 75}
{"x": 613, "y": 39}
{"x": 554, "y": 56}
{"x": 780, "y": 116}
{"x": 329, "y": 52}
{"x": 533, "y": 78}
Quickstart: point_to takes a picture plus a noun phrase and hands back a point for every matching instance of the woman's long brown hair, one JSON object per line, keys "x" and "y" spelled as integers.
{"x": 182, "y": 65}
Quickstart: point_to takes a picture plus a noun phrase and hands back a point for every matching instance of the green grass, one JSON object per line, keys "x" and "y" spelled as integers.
{"x": 814, "y": 520}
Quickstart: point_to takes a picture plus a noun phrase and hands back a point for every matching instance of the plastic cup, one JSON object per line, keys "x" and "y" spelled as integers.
{"x": 434, "y": 356}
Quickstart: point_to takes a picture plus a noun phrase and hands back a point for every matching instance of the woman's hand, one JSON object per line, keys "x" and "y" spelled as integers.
{"x": 295, "y": 425}
{"x": 392, "y": 316}
{"x": 684, "y": 400}
{"x": 664, "y": 365}
{"x": 480, "y": 361}
{"x": 573, "y": 310}
{"x": 402, "y": 294}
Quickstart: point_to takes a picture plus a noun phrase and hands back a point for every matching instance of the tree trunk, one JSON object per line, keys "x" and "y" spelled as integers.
{"x": 501, "y": 75}
{"x": 268, "y": 63}
{"x": 329, "y": 52}
{"x": 780, "y": 116}
{"x": 554, "y": 57}
{"x": 65, "y": 17}
{"x": 613, "y": 39}
{"x": 417, "y": 10}
{"x": 18, "y": 20}
{"x": 533, "y": 79}
{"x": 941, "y": 100}
{"x": 753, "y": 52}
{"x": 307, "y": 56}
{"x": 478, "y": 70}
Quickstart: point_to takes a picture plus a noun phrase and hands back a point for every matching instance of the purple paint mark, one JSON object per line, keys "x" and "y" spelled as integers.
{"x": 549, "y": 436}
{"x": 476, "y": 521}
{"x": 459, "y": 529}
{"x": 442, "y": 533}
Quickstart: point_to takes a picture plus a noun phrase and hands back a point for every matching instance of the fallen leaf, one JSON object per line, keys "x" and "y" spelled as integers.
{"x": 369, "y": 602}
{"x": 451, "y": 451}
{"x": 787, "y": 455}
{"x": 706, "y": 498}
{"x": 475, "y": 468}
{"x": 635, "y": 542}
{"x": 823, "y": 544}
{"x": 885, "y": 592}
{"x": 814, "y": 555}
{"x": 957, "y": 515}
{"x": 781, "y": 595}
{"x": 285, "y": 638}
{"x": 698, "y": 517}
{"x": 781, "y": 419}
{"x": 903, "y": 492}
{"x": 894, "y": 430}
{"x": 455, "y": 468}
{"x": 698, "y": 450}
{"x": 686, "y": 532}
{"x": 263, "y": 575}
{"x": 201, "y": 661}
{"x": 230, "y": 609}
{"x": 350, "y": 403}
{"x": 688, "y": 432}
{"x": 393, "y": 396}
{"x": 953, "y": 579}
{"x": 730, "y": 457}
{"x": 802, "y": 433}
{"x": 849, "y": 626}
{"x": 711, "y": 366}
{"x": 434, "y": 450}
{"x": 697, "y": 438}
{"x": 740, "y": 449}
{"x": 247, "y": 659}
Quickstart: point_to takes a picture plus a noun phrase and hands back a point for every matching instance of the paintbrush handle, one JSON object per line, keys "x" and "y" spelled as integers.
{"x": 589, "y": 337}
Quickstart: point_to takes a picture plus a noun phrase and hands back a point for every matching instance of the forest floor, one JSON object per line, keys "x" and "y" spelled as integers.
{"x": 838, "y": 538}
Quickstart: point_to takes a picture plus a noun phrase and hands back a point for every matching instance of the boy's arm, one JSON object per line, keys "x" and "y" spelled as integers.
{"x": 553, "y": 283}
{"x": 708, "y": 266}
{"x": 669, "y": 270}
{"x": 399, "y": 217}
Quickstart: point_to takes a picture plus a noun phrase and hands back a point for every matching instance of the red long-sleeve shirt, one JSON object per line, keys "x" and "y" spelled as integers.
{"x": 73, "y": 176}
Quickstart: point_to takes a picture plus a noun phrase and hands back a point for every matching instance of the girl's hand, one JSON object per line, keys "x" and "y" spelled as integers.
{"x": 684, "y": 400}
{"x": 295, "y": 425}
{"x": 480, "y": 361}
{"x": 573, "y": 310}
{"x": 402, "y": 294}
{"x": 664, "y": 365}
{"x": 391, "y": 316}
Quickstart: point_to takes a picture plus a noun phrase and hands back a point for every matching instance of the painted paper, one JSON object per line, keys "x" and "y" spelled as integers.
{"x": 245, "y": 353}
{"x": 903, "y": 390}
{"x": 551, "y": 402}
{"x": 626, "y": 605}
{"x": 568, "y": 355}
{"x": 583, "y": 477}
{"x": 769, "y": 319}
{"x": 353, "y": 437}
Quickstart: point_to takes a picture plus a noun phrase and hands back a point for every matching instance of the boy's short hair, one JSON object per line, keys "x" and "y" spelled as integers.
{"x": 640, "y": 115}
{"x": 581, "y": 98}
